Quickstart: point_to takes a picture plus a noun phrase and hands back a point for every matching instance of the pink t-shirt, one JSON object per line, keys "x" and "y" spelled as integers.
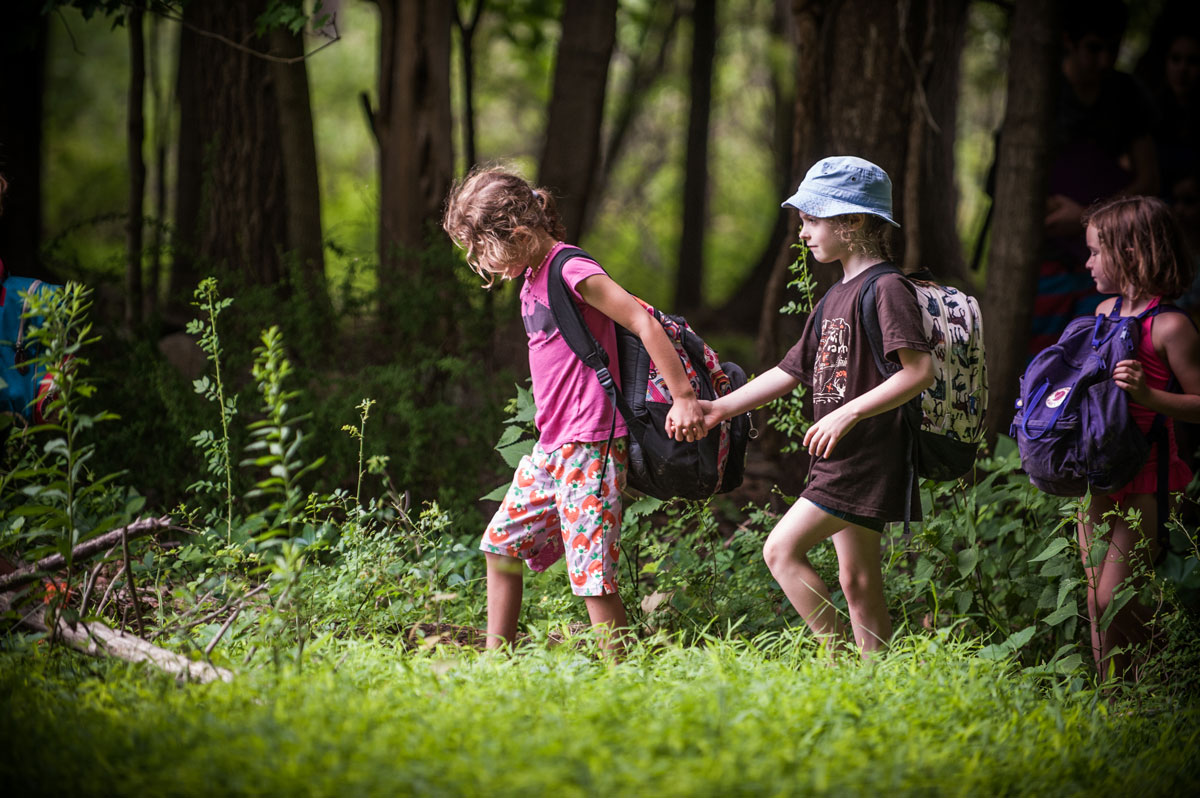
{"x": 571, "y": 405}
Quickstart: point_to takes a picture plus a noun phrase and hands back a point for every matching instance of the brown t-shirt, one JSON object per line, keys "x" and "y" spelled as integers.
{"x": 868, "y": 472}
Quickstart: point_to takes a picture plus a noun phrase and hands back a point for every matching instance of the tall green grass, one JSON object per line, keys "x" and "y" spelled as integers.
{"x": 764, "y": 717}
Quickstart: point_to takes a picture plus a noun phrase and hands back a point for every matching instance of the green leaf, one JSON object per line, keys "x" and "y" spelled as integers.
{"x": 511, "y": 435}
{"x": 513, "y": 454}
{"x": 967, "y": 560}
{"x": 1061, "y": 614}
{"x": 497, "y": 494}
{"x": 1056, "y": 546}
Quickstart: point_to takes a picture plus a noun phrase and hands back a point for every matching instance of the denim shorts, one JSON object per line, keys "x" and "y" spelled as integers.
{"x": 874, "y": 524}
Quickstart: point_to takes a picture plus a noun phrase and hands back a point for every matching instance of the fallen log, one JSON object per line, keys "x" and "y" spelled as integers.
{"x": 97, "y": 639}
{"x": 34, "y": 571}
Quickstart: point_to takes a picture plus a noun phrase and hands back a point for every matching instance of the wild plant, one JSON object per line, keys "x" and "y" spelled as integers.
{"x": 359, "y": 434}
{"x": 51, "y": 498}
{"x": 786, "y": 413}
{"x": 216, "y": 448}
{"x": 277, "y": 439}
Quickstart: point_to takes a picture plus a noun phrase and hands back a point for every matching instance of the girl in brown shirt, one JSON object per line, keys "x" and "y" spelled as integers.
{"x": 858, "y": 480}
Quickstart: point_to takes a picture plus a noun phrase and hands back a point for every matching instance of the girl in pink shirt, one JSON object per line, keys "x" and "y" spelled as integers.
{"x": 566, "y": 495}
{"x": 1136, "y": 251}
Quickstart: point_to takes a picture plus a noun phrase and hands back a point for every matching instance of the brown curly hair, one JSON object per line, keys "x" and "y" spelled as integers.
{"x": 1143, "y": 242}
{"x": 873, "y": 237}
{"x": 494, "y": 215}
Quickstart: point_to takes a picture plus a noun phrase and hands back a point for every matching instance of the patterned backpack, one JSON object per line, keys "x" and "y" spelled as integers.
{"x": 659, "y": 465}
{"x": 950, "y": 415}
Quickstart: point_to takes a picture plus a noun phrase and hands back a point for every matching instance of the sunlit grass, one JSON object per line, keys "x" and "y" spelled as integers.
{"x": 729, "y": 717}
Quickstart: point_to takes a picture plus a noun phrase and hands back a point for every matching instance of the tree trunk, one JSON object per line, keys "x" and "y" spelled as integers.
{"x": 744, "y": 308}
{"x": 930, "y": 202}
{"x": 136, "y": 126}
{"x": 690, "y": 274}
{"x": 413, "y": 130}
{"x": 161, "y": 106}
{"x": 809, "y": 20}
{"x": 22, "y": 81}
{"x": 303, "y": 191}
{"x": 648, "y": 61}
{"x": 466, "y": 38}
{"x": 878, "y": 79}
{"x": 231, "y": 173}
{"x": 1022, "y": 161}
{"x": 572, "y": 147}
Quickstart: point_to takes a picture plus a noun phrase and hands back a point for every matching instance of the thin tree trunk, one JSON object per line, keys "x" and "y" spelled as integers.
{"x": 161, "y": 114}
{"x": 22, "y": 83}
{"x": 136, "y": 130}
{"x": 303, "y": 191}
{"x": 413, "y": 129}
{"x": 1022, "y": 161}
{"x": 930, "y": 202}
{"x": 572, "y": 147}
{"x": 744, "y": 308}
{"x": 649, "y": 59}
{"x": 809, "y": 19}
{"x": 466, "y": 36}
{"x": 689, "y": 276}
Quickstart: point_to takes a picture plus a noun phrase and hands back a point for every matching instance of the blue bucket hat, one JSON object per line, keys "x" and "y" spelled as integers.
{"x": 844, "y": 184}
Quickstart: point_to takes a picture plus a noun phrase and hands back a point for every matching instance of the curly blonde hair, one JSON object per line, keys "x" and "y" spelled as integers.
{"x": 1143, "y": 242}
{"x": 872, "y": 238}
{"x": 494, "y": 215}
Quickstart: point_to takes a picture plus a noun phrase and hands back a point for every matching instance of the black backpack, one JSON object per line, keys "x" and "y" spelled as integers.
{"x": 659, "y": 465}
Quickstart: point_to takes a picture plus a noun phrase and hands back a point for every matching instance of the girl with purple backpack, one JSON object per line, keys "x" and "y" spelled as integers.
{"x": 1137, "y": 252}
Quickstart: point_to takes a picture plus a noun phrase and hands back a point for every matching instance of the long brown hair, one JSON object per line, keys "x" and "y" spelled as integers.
{"x": 494, "y": 215}
{"x": 1142, "y": 240}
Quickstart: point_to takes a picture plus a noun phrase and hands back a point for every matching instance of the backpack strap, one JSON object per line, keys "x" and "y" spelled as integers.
{"x": 574, "y": 330}
{"x": 869, "y": 313}
{"x": 1161, "y": 438}
{"x": 869, "y": 316}
{"x": 910, "y": 411}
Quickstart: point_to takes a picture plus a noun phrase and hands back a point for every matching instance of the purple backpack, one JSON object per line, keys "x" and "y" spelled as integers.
{"x": 1073, "y": 426}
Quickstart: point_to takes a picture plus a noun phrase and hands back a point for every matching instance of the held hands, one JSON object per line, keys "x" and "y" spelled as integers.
{"x": 712, "y": 415}
{"x": 685, "y": 420}
{"x": 824, "y": 434}
{"x": 1130, "y": 377}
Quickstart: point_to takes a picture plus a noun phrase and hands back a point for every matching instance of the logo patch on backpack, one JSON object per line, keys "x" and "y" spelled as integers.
{"x": 1057, "y": 398}
{"x": 1082, "y": 435}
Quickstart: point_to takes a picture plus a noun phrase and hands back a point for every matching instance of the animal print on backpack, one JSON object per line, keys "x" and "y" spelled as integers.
{"x": 957, "y": 403}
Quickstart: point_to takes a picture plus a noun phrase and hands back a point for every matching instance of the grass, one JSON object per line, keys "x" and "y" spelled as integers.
{"x": 764, "y": 717}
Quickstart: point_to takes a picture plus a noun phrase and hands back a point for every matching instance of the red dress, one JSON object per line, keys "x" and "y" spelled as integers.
{"x": 1157, "y": 376}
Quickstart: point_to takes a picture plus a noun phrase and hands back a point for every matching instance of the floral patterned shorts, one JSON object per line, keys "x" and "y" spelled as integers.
{"x": 557, "y": 502}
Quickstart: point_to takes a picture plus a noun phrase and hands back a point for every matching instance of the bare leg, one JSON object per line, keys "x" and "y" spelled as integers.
{"x": 861, "y": 575}
{"x": 1124, "y": 563}
{"x": 504, "y": 588}
{"x": 786, "y": 552}
{"x": 608, "y": 617}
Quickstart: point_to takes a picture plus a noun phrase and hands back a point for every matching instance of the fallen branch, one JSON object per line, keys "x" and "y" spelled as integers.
{"x": 97, "y": 639}
{"x": 31, "y": 573}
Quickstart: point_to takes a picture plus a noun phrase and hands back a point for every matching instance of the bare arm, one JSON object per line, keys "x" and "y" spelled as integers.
{"x": 685, "y": 421}
{"x": 1144, "y": 162}
{"x": 769, "y": 385}
{"x": 1176, "y": 340}
{"x": 914, "y": 376}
